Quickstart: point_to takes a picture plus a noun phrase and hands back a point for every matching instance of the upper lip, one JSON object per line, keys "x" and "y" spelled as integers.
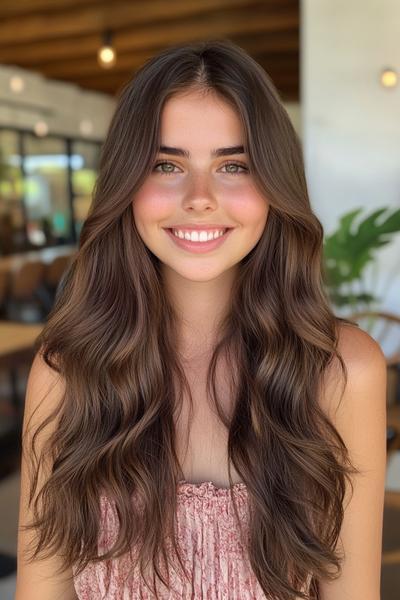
{"x": 198, "y": 227}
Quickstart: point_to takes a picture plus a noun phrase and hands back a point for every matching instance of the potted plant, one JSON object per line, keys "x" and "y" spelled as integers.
{"x": 347, "y": 253}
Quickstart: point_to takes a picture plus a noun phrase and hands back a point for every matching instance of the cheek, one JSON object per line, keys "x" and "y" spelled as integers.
{"x": 151, "y": 203}
{"x": 249, "y": 208}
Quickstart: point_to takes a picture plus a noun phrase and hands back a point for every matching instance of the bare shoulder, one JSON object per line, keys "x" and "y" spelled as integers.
{"x": 357, "y": 346}
{"x": 365, "y": 365}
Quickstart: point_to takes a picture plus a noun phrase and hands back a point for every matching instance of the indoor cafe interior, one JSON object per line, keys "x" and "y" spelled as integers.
{"x": 63, "y": 64}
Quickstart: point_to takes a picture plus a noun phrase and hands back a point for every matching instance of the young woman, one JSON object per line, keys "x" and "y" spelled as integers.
{"x": 198, "y": 423}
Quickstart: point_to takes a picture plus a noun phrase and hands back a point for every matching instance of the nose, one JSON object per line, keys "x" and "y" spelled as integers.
{"x": 200, "y": 194}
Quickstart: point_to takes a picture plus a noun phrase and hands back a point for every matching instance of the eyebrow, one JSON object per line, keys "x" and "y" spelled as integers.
{"x": 214, "y": 153}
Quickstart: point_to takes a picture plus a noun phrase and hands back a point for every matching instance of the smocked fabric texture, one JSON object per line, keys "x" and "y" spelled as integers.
{"x": 210, "y": 544}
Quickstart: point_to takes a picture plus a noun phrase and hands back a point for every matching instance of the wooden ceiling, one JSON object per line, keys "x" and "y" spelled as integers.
{"x": 60, "y": 38}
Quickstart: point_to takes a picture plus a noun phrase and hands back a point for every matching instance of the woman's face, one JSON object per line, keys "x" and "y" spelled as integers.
{"x": 190, "y": 184}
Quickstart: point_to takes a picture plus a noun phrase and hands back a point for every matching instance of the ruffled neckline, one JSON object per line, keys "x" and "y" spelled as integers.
{"x": 209, "y": 489}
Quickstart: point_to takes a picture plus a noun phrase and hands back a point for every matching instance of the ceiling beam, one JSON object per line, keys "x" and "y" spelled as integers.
{"x": 10, "y": 8}
{"x": 31, "y": 55}
{"x": 60, "y": 38}
{"x": 116, "y": 15}
{"x": 131, "y": 62}
{"x": 181, "y": 32}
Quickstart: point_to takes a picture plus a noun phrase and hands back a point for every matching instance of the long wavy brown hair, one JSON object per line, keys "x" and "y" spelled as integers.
{"x": 111, "y": 336}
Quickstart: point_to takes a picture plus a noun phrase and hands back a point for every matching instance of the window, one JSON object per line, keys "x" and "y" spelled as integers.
{"x": 46, "y": 197}
{"x": 84, "y": 164}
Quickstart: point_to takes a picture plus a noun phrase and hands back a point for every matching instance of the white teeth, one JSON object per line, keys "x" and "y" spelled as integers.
{"x": 198, "y": 236}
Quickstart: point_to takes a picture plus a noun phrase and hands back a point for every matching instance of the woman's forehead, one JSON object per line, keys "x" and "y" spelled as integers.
{"x": 195, "y": 118}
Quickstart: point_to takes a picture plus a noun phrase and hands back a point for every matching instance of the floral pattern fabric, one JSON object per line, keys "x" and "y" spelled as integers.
{"x": 211, "y": 546}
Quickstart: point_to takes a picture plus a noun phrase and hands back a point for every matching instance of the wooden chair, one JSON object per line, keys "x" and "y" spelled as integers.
{"x": 23, "y": 300}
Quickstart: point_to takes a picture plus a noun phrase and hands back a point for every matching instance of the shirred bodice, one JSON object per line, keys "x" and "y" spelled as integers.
{"x": 210, "y": 543}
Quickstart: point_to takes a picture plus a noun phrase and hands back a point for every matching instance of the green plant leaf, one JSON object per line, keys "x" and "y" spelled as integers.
{"x": 349, "y": 249}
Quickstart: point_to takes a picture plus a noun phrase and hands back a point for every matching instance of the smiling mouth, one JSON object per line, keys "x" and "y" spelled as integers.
{"x": 197, "y": 230}
{"x": 199, "y": 246}
{"x": 224, "y": 229}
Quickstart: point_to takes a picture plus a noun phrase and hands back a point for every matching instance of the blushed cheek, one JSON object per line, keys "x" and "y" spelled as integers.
{"x": 249, "y": 209}
{"x": 152, "y": 205}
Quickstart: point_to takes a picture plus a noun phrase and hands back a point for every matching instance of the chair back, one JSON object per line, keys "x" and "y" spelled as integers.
{"x": 4, "y": 285}
{"x": 26, "y": 279}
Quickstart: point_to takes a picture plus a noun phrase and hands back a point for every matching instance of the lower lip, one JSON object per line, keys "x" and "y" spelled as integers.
{"x": 198, "y": 247}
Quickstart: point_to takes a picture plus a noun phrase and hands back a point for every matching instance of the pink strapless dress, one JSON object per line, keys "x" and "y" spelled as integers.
{"x": 210, "y": 544}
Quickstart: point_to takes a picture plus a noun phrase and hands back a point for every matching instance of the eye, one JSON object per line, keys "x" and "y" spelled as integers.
{"x": 171, "y": 166}
{"x": 236, "y": 166}
{"x": 170, "y": 170}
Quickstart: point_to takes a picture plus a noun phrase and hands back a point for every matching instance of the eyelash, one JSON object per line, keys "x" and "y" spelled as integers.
{"x": 166, "y": 162}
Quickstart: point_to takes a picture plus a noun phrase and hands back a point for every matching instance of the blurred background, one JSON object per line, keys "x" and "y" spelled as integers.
{"x": 336, "y": 66}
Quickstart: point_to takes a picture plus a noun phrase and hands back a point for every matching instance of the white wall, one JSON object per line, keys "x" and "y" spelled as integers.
{"x": 60, "y": 104}
{"x": 351, "y": 125}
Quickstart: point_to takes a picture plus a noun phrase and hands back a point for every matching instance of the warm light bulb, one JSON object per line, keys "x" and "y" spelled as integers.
{"x": 41, "y": 128}
{"x": 106, "y": 56}
{"x": 17, "y": 84}
{"x": 86, "y": 126}
{"x": 389, "y": 78}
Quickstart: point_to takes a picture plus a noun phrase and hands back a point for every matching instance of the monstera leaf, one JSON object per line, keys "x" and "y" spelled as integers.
{"x": 351, "y": 248}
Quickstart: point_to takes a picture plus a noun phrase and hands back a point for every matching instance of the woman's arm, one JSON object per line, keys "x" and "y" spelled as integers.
{"x": 37, "y": 580}
{"x": 361, "y": 421}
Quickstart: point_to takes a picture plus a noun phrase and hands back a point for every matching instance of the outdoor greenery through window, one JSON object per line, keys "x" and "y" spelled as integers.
{"x": 45, "y": 189}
